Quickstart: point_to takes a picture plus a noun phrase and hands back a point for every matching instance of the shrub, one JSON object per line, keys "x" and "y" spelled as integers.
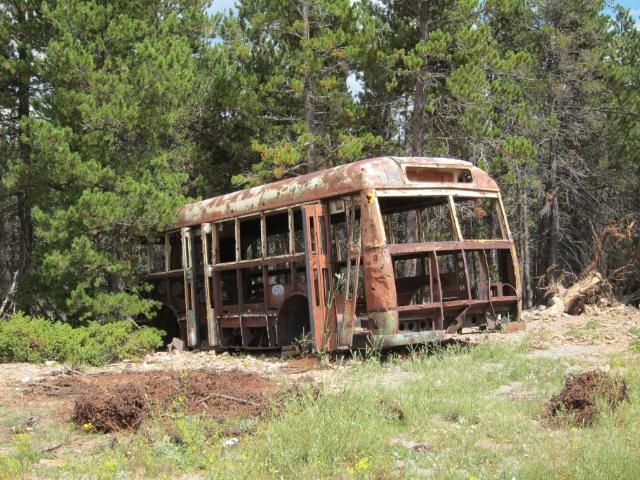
{"x": 35, "y": 339}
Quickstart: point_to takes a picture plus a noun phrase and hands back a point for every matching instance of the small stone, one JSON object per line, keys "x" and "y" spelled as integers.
{"x": 176, "y": 345}
{"x": 231, "y": 442}
{"x": 411, "y": 445}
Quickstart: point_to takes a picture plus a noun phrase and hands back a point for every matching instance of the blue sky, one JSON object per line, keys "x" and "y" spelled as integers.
{"x": 633, "y": 5}
{"x": 219, "y": 5}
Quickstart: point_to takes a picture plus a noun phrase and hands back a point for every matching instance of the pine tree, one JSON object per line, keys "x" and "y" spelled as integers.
{"x": 432, "y": 70}
{"x": 571, "y": 44}
{"x": 109, "y": 160}
{"x": 228, "y": 114}
{"x": 623, "y": 68}
{"x": 302, "y": 53}
{"x": 24, "y": 33}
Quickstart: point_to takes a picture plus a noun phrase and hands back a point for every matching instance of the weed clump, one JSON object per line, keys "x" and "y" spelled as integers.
{"x": 578, "y": 403}
{"x": 122, "y": 407}
{"x": 391, "y": 409}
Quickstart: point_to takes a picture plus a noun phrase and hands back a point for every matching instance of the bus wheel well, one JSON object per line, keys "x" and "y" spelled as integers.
{"x": 293, "y": 320}
{"x": 167, "y": 321}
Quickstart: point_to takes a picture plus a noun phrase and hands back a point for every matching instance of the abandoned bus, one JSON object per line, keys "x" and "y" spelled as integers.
{"x": 391, "y": 250}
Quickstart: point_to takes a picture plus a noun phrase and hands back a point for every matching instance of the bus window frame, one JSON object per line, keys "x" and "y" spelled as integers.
{"x": 451, "y": 196}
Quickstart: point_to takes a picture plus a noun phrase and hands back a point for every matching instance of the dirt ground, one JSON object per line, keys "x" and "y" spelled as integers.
{"x": 226, "y": 385}
{"x": 594, "y": 337}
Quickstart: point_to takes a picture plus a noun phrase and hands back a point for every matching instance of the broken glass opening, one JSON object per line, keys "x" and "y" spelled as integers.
{"x": 412, "y": 279}
{"x": 479, "y": 218}
{"x": 420, "y": 219}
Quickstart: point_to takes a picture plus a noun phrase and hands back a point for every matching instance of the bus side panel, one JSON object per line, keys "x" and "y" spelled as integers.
{"x": 380, "y": 289}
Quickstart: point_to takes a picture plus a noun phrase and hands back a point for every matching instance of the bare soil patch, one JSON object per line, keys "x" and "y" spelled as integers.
{"x": 590, "y": 338}
{"x": 578, "y": 399}
{"x": 111, "y": 402}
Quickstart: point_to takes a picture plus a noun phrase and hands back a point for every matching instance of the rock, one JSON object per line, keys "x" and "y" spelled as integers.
{"x": 411, "y": 445}
{"x": 556, "y": 307}
{"x": 231, "y": 442}
{"x": 175, "y": 345}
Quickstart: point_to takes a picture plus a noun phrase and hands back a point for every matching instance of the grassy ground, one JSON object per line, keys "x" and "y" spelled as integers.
{"x": 476, "y": 414}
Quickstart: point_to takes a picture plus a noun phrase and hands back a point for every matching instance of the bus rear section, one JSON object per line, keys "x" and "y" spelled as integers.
{"x": 451, "y": 261}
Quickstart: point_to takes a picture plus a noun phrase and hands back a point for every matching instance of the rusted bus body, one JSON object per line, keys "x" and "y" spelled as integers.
{"x": 400, "y": 250}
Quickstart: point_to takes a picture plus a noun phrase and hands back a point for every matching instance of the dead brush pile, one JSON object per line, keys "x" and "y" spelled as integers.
{"x": 578, "y": 400}
{"x": 122, "y": 407}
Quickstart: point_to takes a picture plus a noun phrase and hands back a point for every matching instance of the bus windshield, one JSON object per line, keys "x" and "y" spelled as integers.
{"x": 429, "y": 219}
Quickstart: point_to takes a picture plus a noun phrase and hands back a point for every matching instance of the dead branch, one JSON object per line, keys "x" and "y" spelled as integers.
{"x": 54, "y": 447}
{"x": 614, "y": 231}
{"x": 554, "y": 281}
{"x": 228, "y": 397}
{"x": 624, "y": 273}
{"x": 12, "y": 291}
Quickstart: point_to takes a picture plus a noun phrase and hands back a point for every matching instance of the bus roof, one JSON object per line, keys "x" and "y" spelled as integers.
{"x": 374, "y": 173}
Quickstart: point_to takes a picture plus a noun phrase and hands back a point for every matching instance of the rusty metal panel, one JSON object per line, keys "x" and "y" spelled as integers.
{"x": 408, "y": 248}
{"x": 319, "y": 277}
{"x": 380, "y": 291}
{"x": 354, "y": 254}
{"x": 209, "y": 236}
{"x": 189, "y": 288}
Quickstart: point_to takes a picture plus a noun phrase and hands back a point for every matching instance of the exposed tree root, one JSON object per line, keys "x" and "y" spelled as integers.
{"x": 592, "y": 285}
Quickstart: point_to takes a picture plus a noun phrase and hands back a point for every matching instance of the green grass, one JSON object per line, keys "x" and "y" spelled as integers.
{"x": 479, "y": 411}
{"x": 635, "y": 344}
{"x": 587, "y": 332}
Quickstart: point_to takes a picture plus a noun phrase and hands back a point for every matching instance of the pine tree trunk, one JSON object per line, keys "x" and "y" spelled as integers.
{"x": 525, "y": 250}
{"x": 416, "y": 142}
{"x": 554, "y": 218}
{"x": 309, "y": 108}
{"x": 23, "y": 205}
